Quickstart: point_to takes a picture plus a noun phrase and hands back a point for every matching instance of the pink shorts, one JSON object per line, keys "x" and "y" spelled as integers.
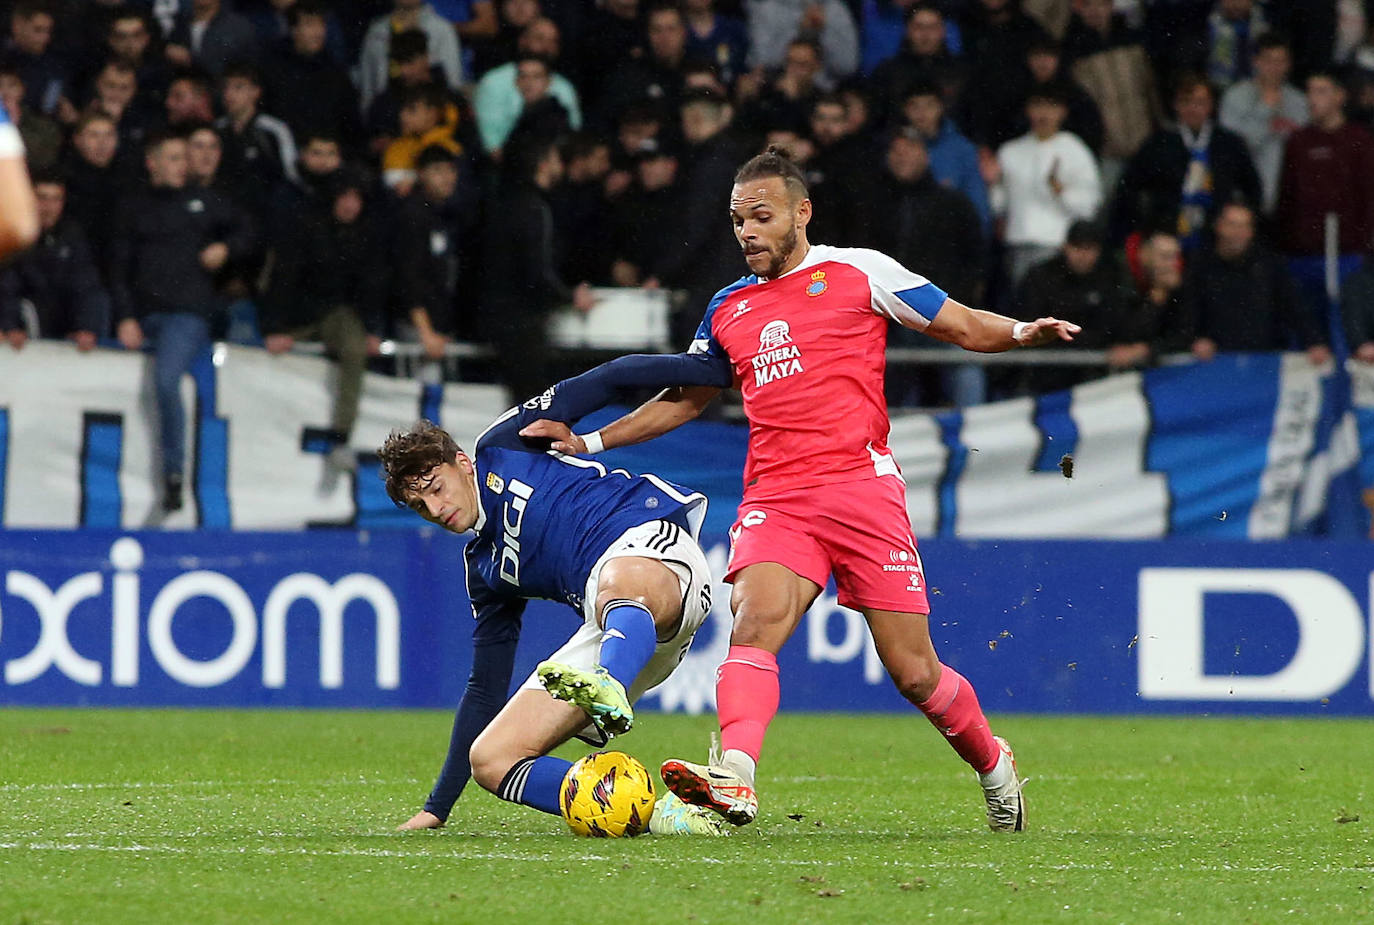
{"x": 860, "y": 531}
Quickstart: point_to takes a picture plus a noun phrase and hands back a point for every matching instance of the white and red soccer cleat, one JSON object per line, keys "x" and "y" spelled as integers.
{"x": 1006, "y": 805}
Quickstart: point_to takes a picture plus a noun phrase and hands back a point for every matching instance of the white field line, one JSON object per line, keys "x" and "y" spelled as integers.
{"x": 761, "y": 859}
{"x": 207, "y": 784}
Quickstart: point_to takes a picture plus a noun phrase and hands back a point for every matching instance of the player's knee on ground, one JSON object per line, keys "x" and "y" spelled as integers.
{"x": 490, "y": 764}
{"x": 644, "y": 581}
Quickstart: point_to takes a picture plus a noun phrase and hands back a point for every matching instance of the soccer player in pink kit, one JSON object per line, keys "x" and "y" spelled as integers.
{"x": 804, "y": 338}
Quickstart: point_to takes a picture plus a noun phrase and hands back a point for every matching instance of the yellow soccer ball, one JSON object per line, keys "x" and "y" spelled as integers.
{"x": 607, "y": 795}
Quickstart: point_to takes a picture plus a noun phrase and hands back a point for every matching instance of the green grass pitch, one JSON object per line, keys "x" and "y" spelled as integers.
{"x": 144, "y": 816}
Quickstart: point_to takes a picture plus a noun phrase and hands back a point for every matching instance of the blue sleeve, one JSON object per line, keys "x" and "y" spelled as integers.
{"x": 572, "y": 399}
{"x": 493, "y": 659}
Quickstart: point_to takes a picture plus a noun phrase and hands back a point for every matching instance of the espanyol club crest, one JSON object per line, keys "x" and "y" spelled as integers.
{"x": 818, "y": 284}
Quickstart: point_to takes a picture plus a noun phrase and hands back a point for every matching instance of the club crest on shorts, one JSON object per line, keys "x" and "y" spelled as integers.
{"x": 818, "y": 284}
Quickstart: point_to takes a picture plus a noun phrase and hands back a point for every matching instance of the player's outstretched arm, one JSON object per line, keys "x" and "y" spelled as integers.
{"x": 670, "y": 409}
{"x": 988, "y": 332}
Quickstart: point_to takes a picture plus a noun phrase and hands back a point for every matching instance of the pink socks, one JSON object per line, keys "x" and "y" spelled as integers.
{"x": 954, "y": 710}
{"x": 747, "y": 698}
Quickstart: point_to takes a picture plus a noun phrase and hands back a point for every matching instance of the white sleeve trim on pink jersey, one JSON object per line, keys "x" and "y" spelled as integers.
{"x": 906, "y": 297}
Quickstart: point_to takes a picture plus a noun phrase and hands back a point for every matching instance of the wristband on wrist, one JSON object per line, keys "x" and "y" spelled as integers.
{"x": 593, "y": 441}
{"x": 11, "y": 145}
{"x": 1016, "y": 330}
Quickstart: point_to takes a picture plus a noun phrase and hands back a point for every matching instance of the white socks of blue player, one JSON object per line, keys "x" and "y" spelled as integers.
{"x": 627, "y": 640}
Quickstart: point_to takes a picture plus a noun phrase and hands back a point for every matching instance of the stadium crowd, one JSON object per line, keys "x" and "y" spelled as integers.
{"x": 1163, "y": 173}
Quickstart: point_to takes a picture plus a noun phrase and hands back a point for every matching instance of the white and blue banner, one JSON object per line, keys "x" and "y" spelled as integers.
{"x": 1252, "y": 446}
{"x": 355, "y": 618}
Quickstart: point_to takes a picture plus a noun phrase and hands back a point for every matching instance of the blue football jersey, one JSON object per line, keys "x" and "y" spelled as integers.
{"x": 547, "y": 518}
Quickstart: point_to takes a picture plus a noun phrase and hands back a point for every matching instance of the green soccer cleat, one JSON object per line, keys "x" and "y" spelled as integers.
{"x": 599, "y": 695}
{"x": 671, "y": 816}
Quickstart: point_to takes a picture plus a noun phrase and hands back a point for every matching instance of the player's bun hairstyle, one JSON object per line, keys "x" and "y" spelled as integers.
{"x": 775, "y": 161}
{"x": 408, "y": 454}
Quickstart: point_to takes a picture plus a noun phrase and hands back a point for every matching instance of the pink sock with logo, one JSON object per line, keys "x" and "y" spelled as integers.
{"x": 954, "y": 710}
{"x": 746, "y": 698}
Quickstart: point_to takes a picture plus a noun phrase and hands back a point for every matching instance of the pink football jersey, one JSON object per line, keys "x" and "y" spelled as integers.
{"x": 808, "y": 351}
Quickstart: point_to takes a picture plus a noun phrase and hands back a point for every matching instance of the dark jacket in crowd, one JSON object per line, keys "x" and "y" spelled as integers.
{"x": 310, "y": 93}
{"x": 833, "y": 174}
{"x": 577, "y": 207}
{"x": 1327, "y": 172}
{"x": 229, "y": 39}
{"x": 1166, "y": 327}
{"x": 1249, "y": 303}
{"x": 1151, "y": 189}
{"x": 996, "y": 47}
{"x": 644, "y": 224}
{"x": 59, "y": 277}
{"x": 155, "y": 252}
{"x": 321, "y": 264}
{"x": 93, "y": 195}
{"x": 896, "y": 77}
{"x": 928, "y": 228}
{"x": 1094, "y": 300}
{"x": 427, "y": 261}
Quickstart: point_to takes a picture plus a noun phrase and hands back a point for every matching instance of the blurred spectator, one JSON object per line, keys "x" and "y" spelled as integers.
{"x": 774, "y": 25}
{"x": 259, "y": 150}
{"x": 116, "y": 93}
{"x": 1265, "y": 110}
{"x": 375, "y": 67}
{"x": 705, "y": 256}
{"x": 1044, "y": 63}
{"x": 28, "y": 50}
{"x": 640, "y": 123}
{"x": 321, "y": 158}
{"x": 427, "y": 119}
{"x": 1328, "y": 170}
{"x": 410, "y": 68}
{"x": 472, "y": 19}
{"x": 96, "y": 175}
{"x": 53, "y": 290}
{"x": 1224, "y": 50}
{"x": 922, "y": 61}
{"x": 501, "y": 47}
{"x": 1157, "y": 321}
{"x": 1242, "y": 297}
{"x": 580, "y": 203}
{"x": 303, "y": 83}
{"x": 542, "y": 117}
{"x": 427, "y": 253}
{"x": 838, "y": 168}
{"x": 210, "y": 36}
{"x": 189, "y": 100}
{"x": 953, "y": 158}
{"x": 614, "y": 32}
{"x": 169, "y": 243}
{"x": 1079, "y": 284}
{"x": 882, "y": 29}
{"x": 656, "y": 75}
{"x": 1042, "y": 182}
{"x": 329, "y": 284}
{"x": 997, "y": 36}
{"x": 498, "y": 101}
{"x": 1181, "y": 175}
{"x": 713, "y": 37}
{"x": 275, "y": 21}
{"x": 786, "y": 101}
{"x": 644, "y": 219}
{"x": 1357, "y": 308}
{"x": 130, "y": 40}
{"x": 921, "y": 224}
{"x": 523, "y": 287}
{"x": 204, "y": 154}
{"x": 42, "y": 138}
{"x": 1108, "y": 59}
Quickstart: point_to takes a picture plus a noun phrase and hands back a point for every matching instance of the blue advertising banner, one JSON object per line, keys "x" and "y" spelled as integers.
{"x": 380, "y": 619}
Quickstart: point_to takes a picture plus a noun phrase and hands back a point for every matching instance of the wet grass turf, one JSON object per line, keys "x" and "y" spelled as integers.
{"x": 222, "y": 816}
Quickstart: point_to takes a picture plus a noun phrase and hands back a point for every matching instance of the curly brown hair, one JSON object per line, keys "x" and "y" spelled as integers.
{"x": 408, "y": 454}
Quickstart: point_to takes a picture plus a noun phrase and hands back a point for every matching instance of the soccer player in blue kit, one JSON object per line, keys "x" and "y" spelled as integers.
{"x": 620, "y": 549}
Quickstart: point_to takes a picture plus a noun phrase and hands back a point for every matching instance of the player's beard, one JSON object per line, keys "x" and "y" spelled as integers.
{"x": 783, "y": 253}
